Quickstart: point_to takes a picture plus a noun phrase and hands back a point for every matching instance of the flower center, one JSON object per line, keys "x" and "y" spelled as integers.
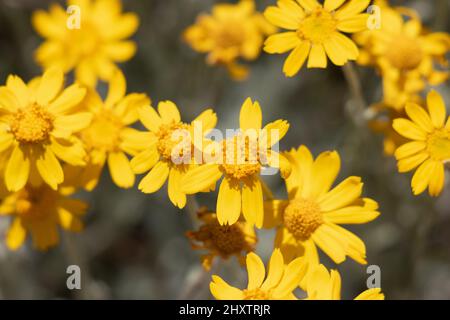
{"x": 104, "y": 132}
{"x": 302, "y": 217}
{"x": 317, "y": 26}
{"x": 439, "y": 145}
{"x": 171, "y": 136}
{"x": 241, "y": 157}
{"x": 230, "y": 35}
{"x": 257, "y": 294}
{"x": 86, "y": 39}
{"x": 33, "y": 203}
{"x": 404, "y": 53}
{"x": 32, "y": 124}
{"x": 228, "y": 239}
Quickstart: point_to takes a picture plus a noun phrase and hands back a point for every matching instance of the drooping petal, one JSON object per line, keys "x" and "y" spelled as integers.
{"x": 177, "y": 197}
{"x": 200, "y": 178}
{"x": 154, "y": 180}
{"x": 228, "y": 202}
{"x": 49, "y": 168}
{"x": 120, "y": 169}
{"x": 17, "y": 170}
{"x": 296, "y": 59}
{"x": 252, "y": 203}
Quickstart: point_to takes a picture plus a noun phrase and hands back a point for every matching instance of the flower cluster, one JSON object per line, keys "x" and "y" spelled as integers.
{"x": 56, "y": 140}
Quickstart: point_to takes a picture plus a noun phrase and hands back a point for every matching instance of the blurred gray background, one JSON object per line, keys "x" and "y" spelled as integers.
{"x": 134, "y": 247}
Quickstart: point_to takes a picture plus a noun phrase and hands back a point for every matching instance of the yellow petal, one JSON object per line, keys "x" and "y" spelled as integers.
{"x": 120, "y": 170}
{"x": 68, "y": 99}
{"x": 281, "y": 42}
{"x": 371, "y": 294}
{"x": 19, "y": 88}
{"x": 17, "y": 170}
{"x": 8, "y": 100}
{"x": 437, "y": 180}
{"x": 309, "y": 5}
{"x": 223, "y": 291}
{"x": 49, "y": 168}
{"x": 281, "y": 18}
{"x": 292, "y": 276}
{"x": 150, "y": 118}
{"x": 228, "y": 202}
{"x": 128, "y": 108}
{"x": 200, "y": 178}
{"x": 75, "y": 122}
{"x": 117, "y": 88}
{"x": 343, "y": 194}
{"x": 68, "y": 221}
{"x": 409, "y": 129}
{"x": 256, "y": 271}
{"x": 144, "y": 160}
{"x": 6, "y": 140}
{"x": 154, "y": 180}
{"x": 177, "y": 197}
{"x": 330, "y": 243}
{"x": 208, "y": 119}
{"x": 324, "y": 171}
{"x": 275, "y": 270}
{"x": 250, "y": 116}
{"x": 120, "y": 51}
{"x": 351, "y": 8}
{"x": 16, "y": 234}
{"x": 169, "y": 112}
{"x": 436, "y": 108}
{"x": 409, "y": 149}
{"x": 422, "y": 176}
{"x": 317, "y": 57}
{"x": 296, "y": 59}
{"x": 71, "y": 152}
{"x": 354, "y": 214}
{"x": 273, "y": 213}
{"x": 353, "y": 24}
{"x": 51, "y": 84}
{"x": 409, "y": 163}
{"x": 331, "y": 5}
{"x": 252, "y": 203}
{"x": 355, "y": 247}
{"x": 419, "y": 116}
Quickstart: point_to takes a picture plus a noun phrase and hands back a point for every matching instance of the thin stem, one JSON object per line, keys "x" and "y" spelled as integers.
{"x": 358, "y": 107}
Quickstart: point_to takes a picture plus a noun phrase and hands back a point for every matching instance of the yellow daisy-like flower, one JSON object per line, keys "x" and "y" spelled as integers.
{"x": 39, "y": 211}
{"x": 405, "y": 53}
{"x": 109, "y": 137}
{"x": 231, "y": 32}
{"x": 169, "y": 137}
{"x": 241, "y": 189}
{"x": 221, "y": 241}
{"x": 429, "y": 149}
{"x": 91, "y": 48}
{"x": 324, "y": 285}
{"x": 37, "y": 127}
{"x": 315, "y": 210}
{"x": 279, "y": 284}
{"x": 315, "y": 31}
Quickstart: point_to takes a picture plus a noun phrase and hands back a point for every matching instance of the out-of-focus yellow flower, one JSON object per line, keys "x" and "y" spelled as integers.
{"x": 109, "y": 137}
{"x": 279, "y": 284}
{"x": 222, "y": 241}
{"x": 429, "y": 149}
{"x": 242, "y": 159}
{"x": 324, "y": 285}
{"x": 39, "y": 211}
{"x": 37, "y": 127}
{"x": 315, "y": 32}
{"x": 94, "y": 47}
{"x": 405, "y": 54}
{"x": 314, "y": 211}
{"x": 169, "y": 138}
{"x": 230, "y": 33}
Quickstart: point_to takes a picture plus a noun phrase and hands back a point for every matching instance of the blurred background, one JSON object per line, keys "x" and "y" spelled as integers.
{"x": 134, "y": 246}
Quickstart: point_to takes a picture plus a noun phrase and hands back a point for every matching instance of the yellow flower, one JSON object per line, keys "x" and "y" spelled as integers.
{"x": 315, "y": 31}
{"x": 241, "y": 189}
{"x": 109, "y": 137}
{"x": 93, "y": 49}
{"x": 404, "y": 52}
{"x": 37, "y": 126}
{"x": 221, "y": 241}
{"x": 314, "y": 211}
{"x": 279, "y": 284}
{"x": 429, "y": 149}
{"x": 231, "y": 32}
{"x": 166, "y": 143}
{"x": 38, "y": 211}
{"x": 324, "y": 285}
